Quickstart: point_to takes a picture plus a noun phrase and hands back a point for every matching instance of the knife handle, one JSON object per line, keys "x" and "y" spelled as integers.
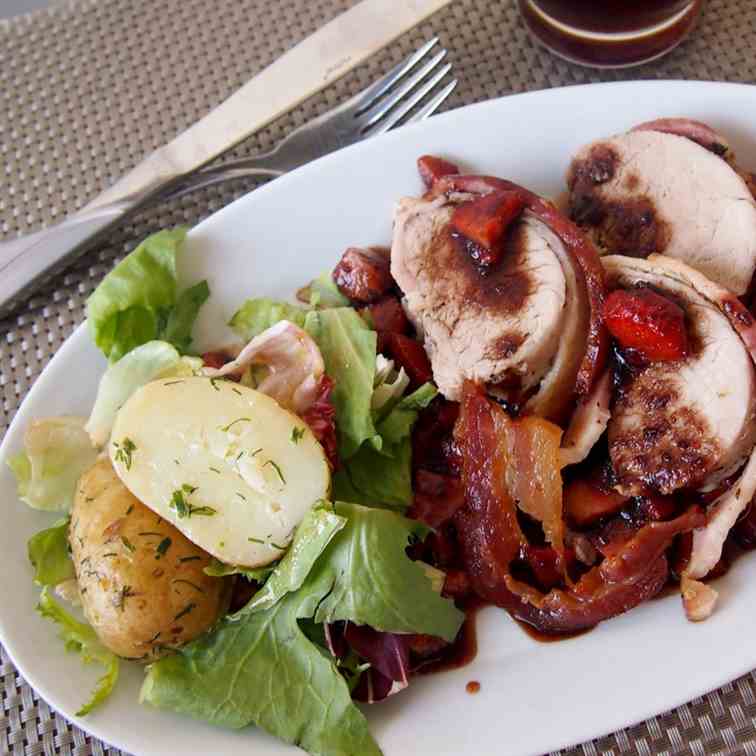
{"x": 28, "y": 261}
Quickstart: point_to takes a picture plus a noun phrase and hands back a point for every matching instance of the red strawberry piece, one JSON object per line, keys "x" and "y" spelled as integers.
{"x": 647, "y": 322}
{"x": 387, "y": 314}
{"x": 363, "y": 275}
{"x": 585, "y": 503}
{"x": 432, "y": 168}
{"x": 484, "y": 221}
{"x": 410, "y": 355}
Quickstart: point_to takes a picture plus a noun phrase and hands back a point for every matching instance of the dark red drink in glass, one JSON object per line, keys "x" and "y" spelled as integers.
{"x": 610, "y": 33}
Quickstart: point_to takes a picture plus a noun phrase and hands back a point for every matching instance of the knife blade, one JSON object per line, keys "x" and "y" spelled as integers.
{"x": 313, "y": 64}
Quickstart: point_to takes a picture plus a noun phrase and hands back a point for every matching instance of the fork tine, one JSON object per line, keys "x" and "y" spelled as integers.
{"x": 369, "y": 117}
{"x": 430, "y": 108}
{"x": 372, "y": 92}
{"x": 396, "y": 115}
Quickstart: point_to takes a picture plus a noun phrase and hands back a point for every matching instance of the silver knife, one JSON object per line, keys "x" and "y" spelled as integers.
{"x": 313, "y": 64}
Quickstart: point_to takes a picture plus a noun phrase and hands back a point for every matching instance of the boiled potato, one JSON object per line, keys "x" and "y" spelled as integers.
{"x": 141, "y": 581}
{"x": 225, "y": 464}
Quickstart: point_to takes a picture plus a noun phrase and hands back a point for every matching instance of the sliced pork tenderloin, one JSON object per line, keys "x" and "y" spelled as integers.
{"x": 499, "y": 328}
{"x": 685, "y": 423}
{"x": 692, "y": 422}
{"x": 527, "y": 324}
{"x": 658, "y": 190}
{"x": 697, "y": 132}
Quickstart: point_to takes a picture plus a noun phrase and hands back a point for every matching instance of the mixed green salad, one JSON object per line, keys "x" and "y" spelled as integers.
{"x": 272, "y": 553}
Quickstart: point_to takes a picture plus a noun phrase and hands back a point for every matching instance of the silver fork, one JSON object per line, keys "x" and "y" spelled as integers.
{"x": 376, "y": 109}
{"x": 410, "y": 92}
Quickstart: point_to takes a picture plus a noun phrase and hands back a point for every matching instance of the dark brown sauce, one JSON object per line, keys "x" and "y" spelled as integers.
{"x": 463, "y": 650}
{"x": 465, "y": 647}
{"x": 628, "y": 29}
{"x": 537, "y": 635}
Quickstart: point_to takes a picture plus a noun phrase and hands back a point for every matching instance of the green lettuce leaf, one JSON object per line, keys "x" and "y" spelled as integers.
{"x": 140, "y": 366}
{"x": 49, "y": 554}
{"x": 56, "y": 452}
{"x": 178, "y": 329}
{"x": 216, "y": 568}
{"x": 373, "y": 478}
{"x": 138, "y": 300}
{"x": 325, "y": 293}
{"x": 314, "y": 533}
{"x": 257, "y": 315}
{"x": 348, "y": 348}
{"x": 389, "y": 386}
{"x": 397, "y": 425}
{"x": 264, "y": 670}
{"x": 383, "y": 475}
{"x": 81, "y": 638}
{"x": 363, "y": 575}
{"x": 370, "y": 580}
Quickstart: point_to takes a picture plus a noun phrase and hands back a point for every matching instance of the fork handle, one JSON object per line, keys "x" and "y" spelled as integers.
{"x": 265, "y": 165}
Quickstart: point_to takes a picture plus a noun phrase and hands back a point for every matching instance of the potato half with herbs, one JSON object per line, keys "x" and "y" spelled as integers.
{"x": 227, "y": 465}
{"x": 141, "y": 581}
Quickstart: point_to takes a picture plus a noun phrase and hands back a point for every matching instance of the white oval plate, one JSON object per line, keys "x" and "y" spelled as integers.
{"x": 534, "y": 697}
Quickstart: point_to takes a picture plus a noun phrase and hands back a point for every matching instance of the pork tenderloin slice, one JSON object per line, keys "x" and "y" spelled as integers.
{"x": 588, "y": 422}
{"x": 721, "y": 517}
{"x": 502, "y": 327}
{"x": 688, "y": 423}
{"x": 553, "y": 399}
{"x": 649, "y": 192}
{"x": 701, "y": 133}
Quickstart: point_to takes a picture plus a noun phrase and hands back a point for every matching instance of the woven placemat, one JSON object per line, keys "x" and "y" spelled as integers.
{"x": 89, "y": 87}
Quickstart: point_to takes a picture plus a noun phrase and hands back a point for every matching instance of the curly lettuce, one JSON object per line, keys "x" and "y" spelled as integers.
{"x": 145, "y": 363}
{"x": 49, "y": 554}
{"x": 383, "y": 475}
{"x": 81, "y": 638}
{"x": 56, "y": 452}
{"x": 138, "y": 300}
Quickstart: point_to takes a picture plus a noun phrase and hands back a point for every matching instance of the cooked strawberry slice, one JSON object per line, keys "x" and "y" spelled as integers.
{"x": 432, "y": 168}
{"x": 410, "y": 355}
{"x": 586, "y": 503}
{"x": 484, "y": 222}
{"x": 647, "y": 322}
{"x": 387, "y": 314}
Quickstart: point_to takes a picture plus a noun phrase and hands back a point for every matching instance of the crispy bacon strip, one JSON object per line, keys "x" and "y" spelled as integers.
{"x": 586, "y": 258}
{"x": 487, "y": 526}
{"x": 533, "y": 474}
{"x": 491, "y": 538}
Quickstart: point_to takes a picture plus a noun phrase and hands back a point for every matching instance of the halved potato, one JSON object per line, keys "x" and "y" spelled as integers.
{"x": 142, "y": 584}
{"x": 225, "y": 464}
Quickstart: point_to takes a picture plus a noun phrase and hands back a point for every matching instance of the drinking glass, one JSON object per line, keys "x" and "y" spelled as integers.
{"x": 610, "y": 33}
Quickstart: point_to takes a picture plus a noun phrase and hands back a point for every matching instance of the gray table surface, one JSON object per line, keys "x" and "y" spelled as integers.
{"x": 9, "y": 8}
